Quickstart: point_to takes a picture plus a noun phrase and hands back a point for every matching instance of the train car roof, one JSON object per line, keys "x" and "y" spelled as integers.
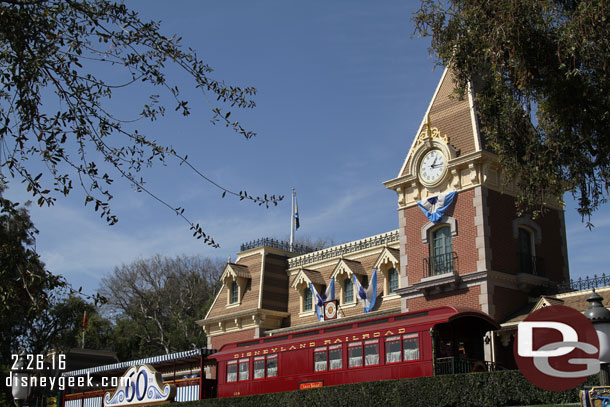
{"x": 432, "y": 316}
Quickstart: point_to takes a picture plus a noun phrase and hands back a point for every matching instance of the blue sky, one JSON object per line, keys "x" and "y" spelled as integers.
{"x": 342, "y": 88}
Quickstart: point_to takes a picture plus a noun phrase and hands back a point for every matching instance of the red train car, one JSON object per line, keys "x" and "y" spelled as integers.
{"x": 423, "y": 343}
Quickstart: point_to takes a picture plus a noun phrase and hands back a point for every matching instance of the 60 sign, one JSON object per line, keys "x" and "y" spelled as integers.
{"x": 132, "y": 388}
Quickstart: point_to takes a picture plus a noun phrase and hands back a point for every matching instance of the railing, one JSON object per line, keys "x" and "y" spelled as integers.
{"x": 440, "y": 264}
{"x": 531, "y": 264}
{"x": 343, "y": 249}
{"x": 453, "y": 365}
{"x": 586, "y": 283}
{"x": 278, "y": 244}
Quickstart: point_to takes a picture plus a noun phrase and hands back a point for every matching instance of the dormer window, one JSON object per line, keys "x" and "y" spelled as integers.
{"x": 302, "y": 283}
{"x": 348, "y": 291}
{"x": 387, "y": 264}
{"x": 236, "y": 280}
{"x": 234, "y": 293}
{"x": 307, "y": 300}
{"x": 392, "y": 280}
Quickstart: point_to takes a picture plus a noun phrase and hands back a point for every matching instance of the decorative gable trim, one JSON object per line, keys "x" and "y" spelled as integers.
{"x": 348, "y": 267}
{"x": 423, "y": 123}
{"x": 307, "y": 277}
{"x": 390, "y": 256}
{"x": 234, "y": 271}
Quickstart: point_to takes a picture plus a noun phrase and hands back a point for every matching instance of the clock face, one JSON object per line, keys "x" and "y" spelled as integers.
{"x": 330, "y": 310}
{"x": 432, "y": 166}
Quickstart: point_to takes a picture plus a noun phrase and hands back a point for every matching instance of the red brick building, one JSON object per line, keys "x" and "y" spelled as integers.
{"x": 480, "y": 253}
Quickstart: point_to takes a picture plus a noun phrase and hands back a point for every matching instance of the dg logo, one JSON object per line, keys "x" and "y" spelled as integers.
{"x": 556, "y": 348}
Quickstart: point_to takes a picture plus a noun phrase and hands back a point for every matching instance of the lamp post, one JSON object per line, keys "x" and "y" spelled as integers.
{"x": 600, "y": 317}
{"x": 21, "y": 376}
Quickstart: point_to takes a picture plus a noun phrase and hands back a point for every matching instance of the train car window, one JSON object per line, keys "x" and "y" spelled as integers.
{"x": 392, "y": 349}
{"x": 410, "y": 345}
{"x": 259, "y": 367}
{"x": 373, "y": 322}
{"x": 272, "y": 366}
{"x": 354, "y": 352}
{"x": 250, "y": 343}
{"x": 335, "y": 356}
{"x": 338, "y": 328}
{"x": 244, "y": 369}
{"x": 371, "y": 352}
{"x": 232, "y": 371}
{"x": 275, "y": 338}
{"x": 411, "y": 316}
{"x": 307, "y": 333}
{"x": 320, "y": 359}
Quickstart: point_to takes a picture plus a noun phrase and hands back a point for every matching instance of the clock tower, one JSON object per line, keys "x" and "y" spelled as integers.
{"x": 462, "y": 242}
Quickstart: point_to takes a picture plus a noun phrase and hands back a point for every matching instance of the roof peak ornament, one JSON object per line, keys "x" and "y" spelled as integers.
{"x": 430, "y": 133}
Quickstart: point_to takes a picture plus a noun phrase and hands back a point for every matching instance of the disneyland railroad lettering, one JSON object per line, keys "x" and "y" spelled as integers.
{"x": 304, "y": 345}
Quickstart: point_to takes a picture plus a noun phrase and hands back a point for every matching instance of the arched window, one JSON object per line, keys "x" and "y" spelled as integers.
{"x": 307, "y": 300}
{"x": 526, "y": 251}
{"x": 348, "y": 291}
{"x": 441, "y": 251}
{"x": 392, "y": 280}
{"x": 234, "y": 292}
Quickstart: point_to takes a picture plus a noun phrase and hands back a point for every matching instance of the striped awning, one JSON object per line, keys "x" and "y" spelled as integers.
{"x": 153, "y": 360}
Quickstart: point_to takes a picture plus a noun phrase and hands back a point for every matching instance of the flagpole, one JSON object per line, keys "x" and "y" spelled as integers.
{"x": 292, "y": 222}
{"x": 84, "y": 326}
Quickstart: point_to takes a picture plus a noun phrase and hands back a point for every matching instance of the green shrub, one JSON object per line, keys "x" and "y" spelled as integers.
{"x": 505, "y": 388}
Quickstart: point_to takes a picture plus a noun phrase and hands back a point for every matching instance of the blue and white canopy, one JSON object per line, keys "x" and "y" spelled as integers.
{"x": 149, "y": 361}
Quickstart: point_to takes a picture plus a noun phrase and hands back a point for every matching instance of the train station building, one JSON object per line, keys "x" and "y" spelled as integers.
{"x": 442, "y": 293}
{"x": 459, "y": 242}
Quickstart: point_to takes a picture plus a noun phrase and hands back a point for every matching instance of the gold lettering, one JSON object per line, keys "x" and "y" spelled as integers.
{"x": 389, "y": 333}
{"x": 366, "y": 336}
{"x": 302, "y": 346}
{"x": 236, "y": 356}
{"x": 292, "y": 347}
{"x": 257, "y": 352}
{"x": 327, "y": 342}
{"x": 376, "y": 334}
{"x": 338, "y": 340}
{"x": 249, "y": 354}
{"x": 312, "y": 344}
{"x": 273, "y": 350}
{"x": 401, "y": 330}
{"x": 265, "y": 351}
{"x": 355, "y": 338}
{"x": 282, "y": 349}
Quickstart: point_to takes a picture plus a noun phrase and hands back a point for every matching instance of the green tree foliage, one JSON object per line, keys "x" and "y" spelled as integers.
{"x": 541, "y": 74}
{"x": 26, "y": 288}
{"x": 61, "y": 62}
{"x": 60, "y": 327}
{"x": 155, "y": 303}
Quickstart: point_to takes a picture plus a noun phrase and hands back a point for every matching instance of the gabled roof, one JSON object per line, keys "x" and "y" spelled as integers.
{"x": 235, "y": 270}
{"x": 451, "y": 116}
{"x": 575, "y": 299}
{"x": 308, "y": 277}
{"x": 388, "y": 255}
{"x": 348, "y": 266}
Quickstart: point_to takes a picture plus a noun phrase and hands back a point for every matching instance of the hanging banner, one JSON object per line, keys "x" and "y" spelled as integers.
{"x": 140, "y": 385}
{"x": 435, "y": 207}
{"x": 319, "y": 300}
{"x": 366, "y": 297}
